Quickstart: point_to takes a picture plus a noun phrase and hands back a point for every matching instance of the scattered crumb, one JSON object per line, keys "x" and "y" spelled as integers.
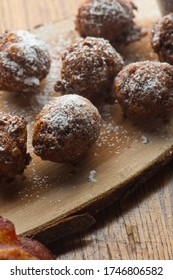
{"x": 91, "y": 177}
{"x": 144, "y": 139}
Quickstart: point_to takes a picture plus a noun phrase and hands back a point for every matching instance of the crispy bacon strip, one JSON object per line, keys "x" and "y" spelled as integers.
{"x": 13, "y": 247}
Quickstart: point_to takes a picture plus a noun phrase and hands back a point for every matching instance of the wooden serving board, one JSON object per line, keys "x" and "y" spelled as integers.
{"x": 52, "y": 200}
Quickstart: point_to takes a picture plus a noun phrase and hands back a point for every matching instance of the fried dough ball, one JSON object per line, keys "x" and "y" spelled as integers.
{"x": 89, "y": 68}
{"x": 24, "y": 61}
{"x": 162, "y": 38}
{"x": 13, "y": 138}
{"x": 13, "y": 247}
{"x": 145, "y": 89}
{"x": 66, "y": 128}
{"x": 109, "y": 19}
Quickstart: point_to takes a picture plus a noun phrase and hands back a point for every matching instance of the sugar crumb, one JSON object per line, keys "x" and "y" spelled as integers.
{"x": 91, "y": 177}
{"x": 144, "y": 139}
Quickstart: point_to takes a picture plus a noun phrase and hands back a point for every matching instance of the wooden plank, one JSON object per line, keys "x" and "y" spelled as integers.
{"x": 42, "y": 188}
{"x": 21, "y": 14}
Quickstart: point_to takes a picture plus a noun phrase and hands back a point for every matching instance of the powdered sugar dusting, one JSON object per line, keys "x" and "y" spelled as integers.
{"x": 145, "y": 88}
{"x": 108, "y": 9}
{"x": 110, "y": 19}
{"x": 24, "y": 56}
{"x": 89, "y": 67}
{"x": 147, "y": 81}
{"x": 32, "y": 81}
{"x": 72, "y": 113}
{"x": 30, "y": 40}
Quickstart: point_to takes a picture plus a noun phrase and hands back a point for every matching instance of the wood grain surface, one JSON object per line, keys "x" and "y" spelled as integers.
{"x": 139, "y": 227}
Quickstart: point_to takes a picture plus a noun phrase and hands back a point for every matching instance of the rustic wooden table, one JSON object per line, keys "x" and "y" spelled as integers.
{"x": 139, "y": 227}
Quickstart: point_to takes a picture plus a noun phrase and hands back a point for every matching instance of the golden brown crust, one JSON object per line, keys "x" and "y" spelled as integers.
{"x": 89, "y": 67}
{"x": 13, "y": 138}
{"x": 24, "y": 61}
{"x": 13, "y": 247}
{"x": 109, "y": 19}
{"x": 145, "y": 89}
{"x": 162, "y": 37}
{"x": 66, "y": 128}
{"x": 36, "y": 249}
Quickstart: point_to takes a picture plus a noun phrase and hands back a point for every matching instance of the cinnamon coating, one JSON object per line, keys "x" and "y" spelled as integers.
{"x": 109, "y": 19}
{"x": 66, "y": 128}
{"x": 162, "y": 38}
{"x": 13, "y": 137}
{"x": 24, "y": 61}
{"x": 89, "y": 68}
{"x": 145, "y": 89}
{"x": 13, "y": 247}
